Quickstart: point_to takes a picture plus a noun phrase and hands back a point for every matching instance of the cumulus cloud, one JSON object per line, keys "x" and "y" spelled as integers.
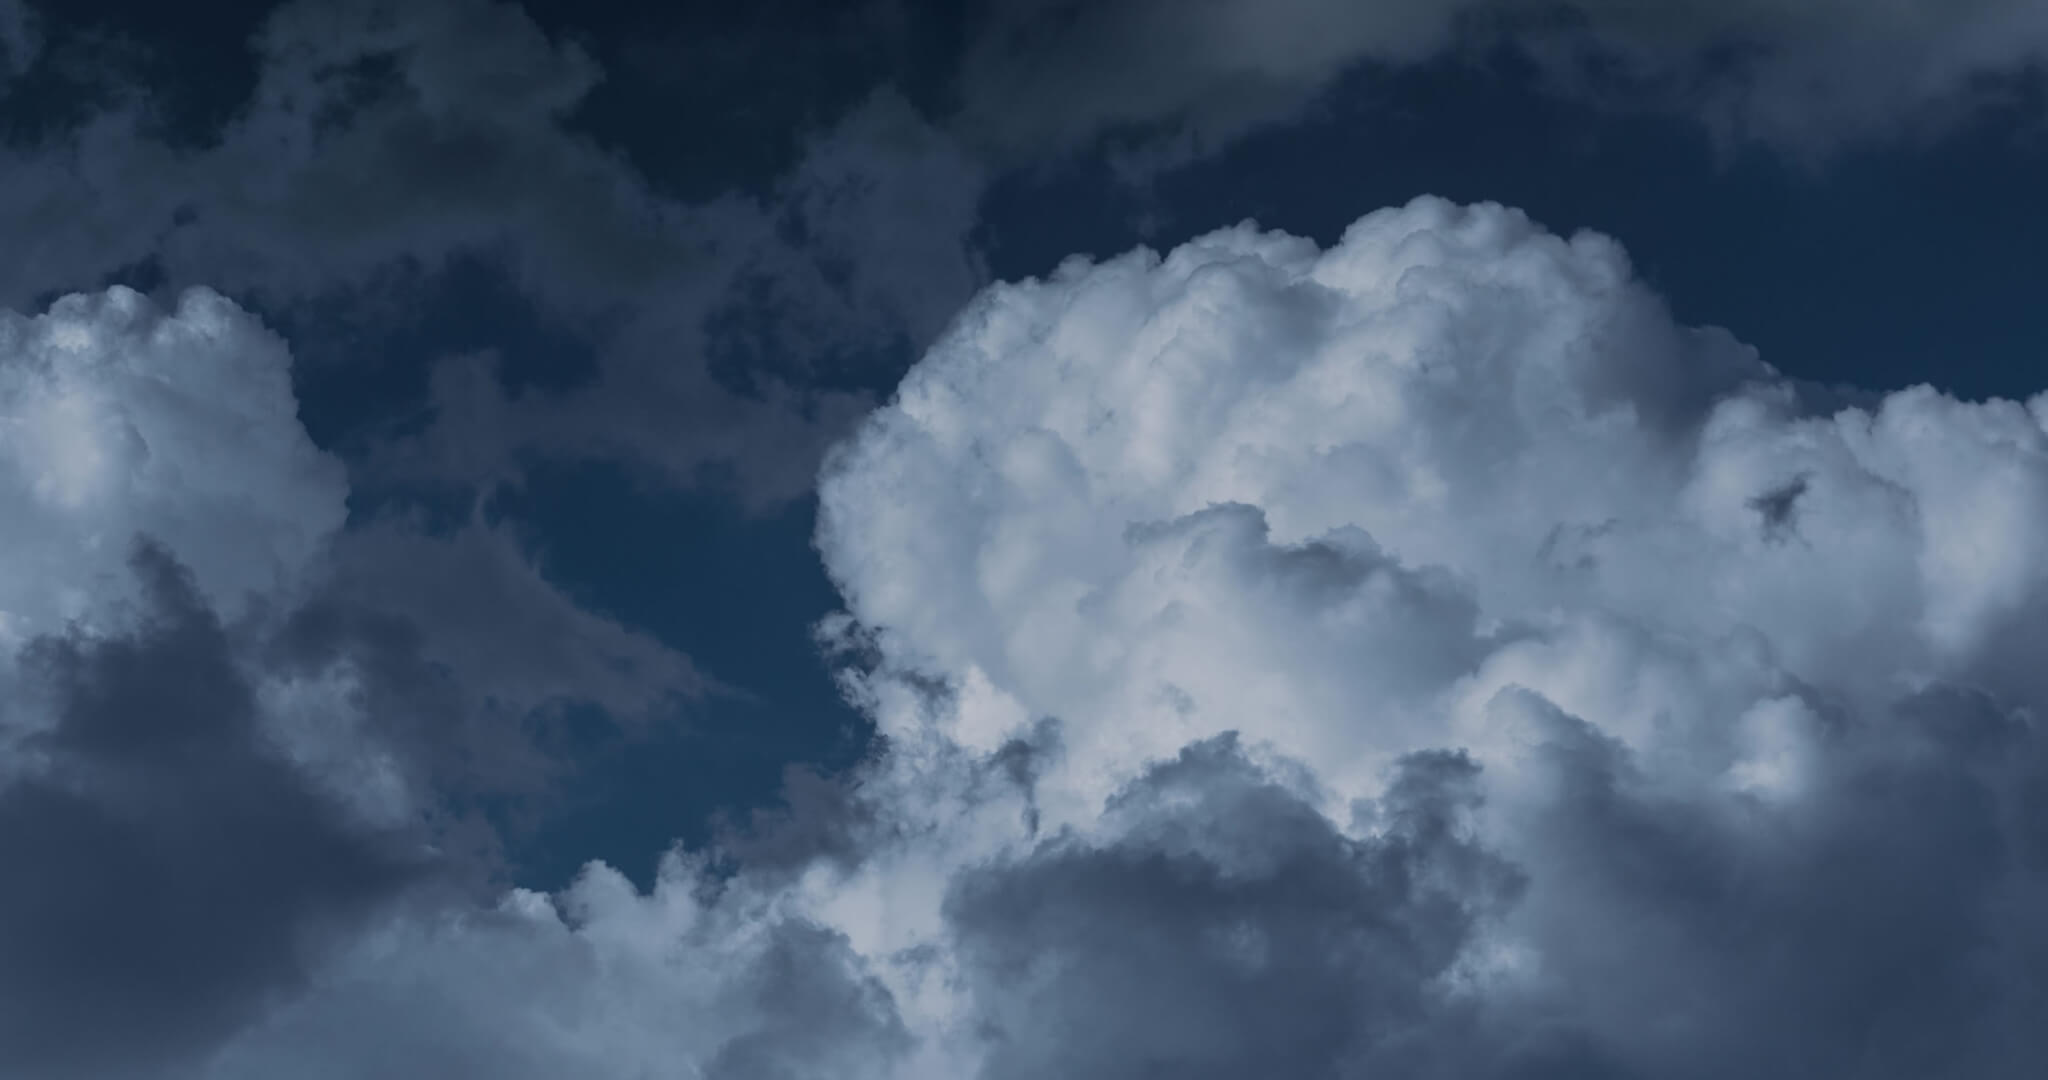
{"x": 1458, "y": 484}
{"x": 1417, "y": 657}
{"x": 1808, "y": 75}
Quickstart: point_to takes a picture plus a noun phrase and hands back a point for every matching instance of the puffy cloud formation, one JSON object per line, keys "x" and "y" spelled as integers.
{"x": 1738, "y": 676}
{"x": 1806, "y": 74}
{"x": 1420, "y": 657}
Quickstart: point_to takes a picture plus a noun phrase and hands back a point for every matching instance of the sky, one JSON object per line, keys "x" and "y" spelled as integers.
{"x": 1023, "y": 539}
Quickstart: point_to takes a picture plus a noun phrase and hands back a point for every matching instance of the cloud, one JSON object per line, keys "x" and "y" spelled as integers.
{"x": 1810, "y": 76}
{"x": 1416, "y": 657}
{"x": 380, "y": 144}
{"x": 455, "y": 653}
{"x": 168, "y": 871}
{"x": 1805, "y": 75}
{"x": 1228, "y": 930}
{"x": 237, "y": 731}
{"x": 1253, "y": 449}
{"x": 20, "y": 39}
{"x": 1876, "y": 922}
{"x": 599, "y": 981}
{"x": 1456, "y": 484}
{"x": 342, "y": 163}
{"x": 122, "y": 418}
{"x": 1048, "y": 75}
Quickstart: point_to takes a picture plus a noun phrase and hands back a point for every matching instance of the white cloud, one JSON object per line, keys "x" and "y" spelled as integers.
{"x": 1256, "y": 485}
{"x": 1452, "y": 425}
{"x": 1456, "y": 482}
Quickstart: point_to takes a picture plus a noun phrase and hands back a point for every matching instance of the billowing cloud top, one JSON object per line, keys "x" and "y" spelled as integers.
{"x": 1253, "y": 485}
{"x": 1419, "y": 657}
{"x": 1458, "y": 485}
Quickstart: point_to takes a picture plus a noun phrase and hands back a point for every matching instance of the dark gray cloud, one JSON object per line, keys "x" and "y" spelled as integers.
{"x": 822, "y": 1012}
{"x": 168, "y": 871}
{"x": 1230, "y": 930}
{"x": 1886, "y": 925}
